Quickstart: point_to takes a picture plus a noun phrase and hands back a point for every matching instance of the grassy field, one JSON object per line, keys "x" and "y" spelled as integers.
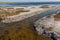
{"x": 22, "y": 30}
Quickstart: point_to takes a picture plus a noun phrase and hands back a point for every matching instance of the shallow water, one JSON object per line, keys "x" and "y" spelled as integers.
{"x": 32, "y": 4}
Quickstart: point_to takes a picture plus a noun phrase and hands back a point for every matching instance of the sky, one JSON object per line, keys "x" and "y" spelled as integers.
{"x": 28, "y": 0}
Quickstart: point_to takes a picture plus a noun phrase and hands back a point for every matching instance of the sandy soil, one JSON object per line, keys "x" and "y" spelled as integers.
{"x": 33, "y": 10}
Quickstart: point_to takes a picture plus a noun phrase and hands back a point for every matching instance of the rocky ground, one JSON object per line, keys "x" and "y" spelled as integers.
{"x": 50, "y": 23}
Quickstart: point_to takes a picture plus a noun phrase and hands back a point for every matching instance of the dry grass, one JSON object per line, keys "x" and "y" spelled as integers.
{"x": 57, "y": 16}
{"x": 20, "y": 31}
{"x": 44, "y": 7}
{"x": 4, "y": 13}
